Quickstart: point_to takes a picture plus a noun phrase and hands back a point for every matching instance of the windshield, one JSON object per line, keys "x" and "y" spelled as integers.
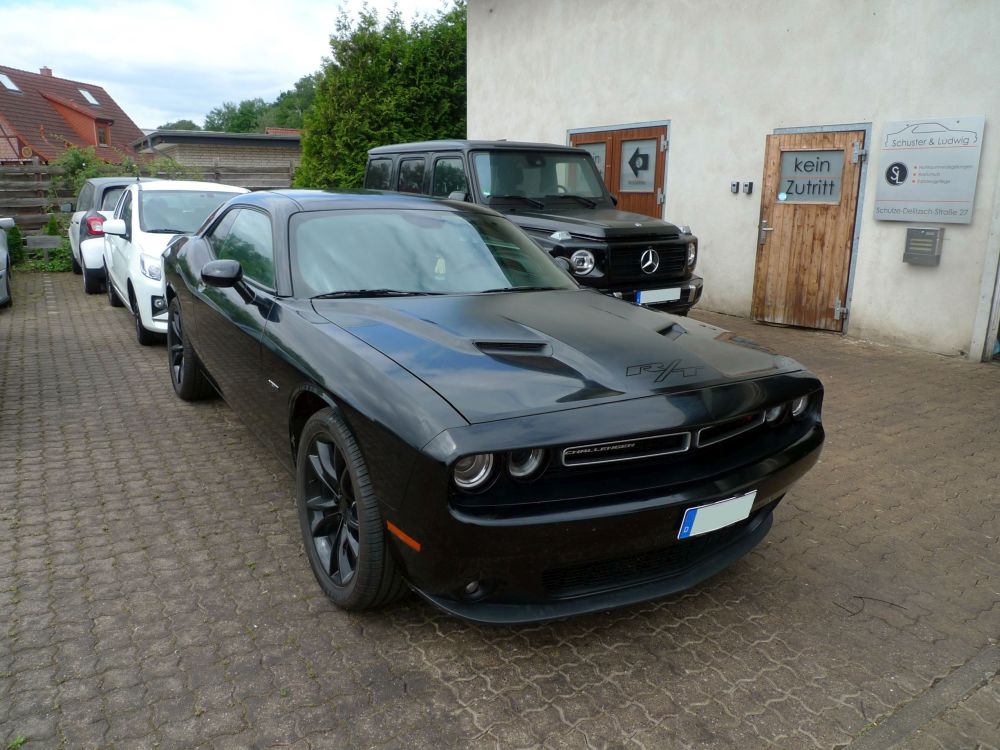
{"x": 506, "y": 175}
{"x": 178, "y": 211}
{"x": 415, "y": 251}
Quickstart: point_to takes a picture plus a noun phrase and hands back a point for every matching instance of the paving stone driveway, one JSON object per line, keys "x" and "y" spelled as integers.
{"x": 153, "y": 590}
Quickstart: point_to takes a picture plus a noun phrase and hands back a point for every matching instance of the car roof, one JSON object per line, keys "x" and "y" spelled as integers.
{"x": 322, "y": 200}
{"x": 123, "y": 180}
{"x": 467, "y": 145}
{"x": 213, "y": 187}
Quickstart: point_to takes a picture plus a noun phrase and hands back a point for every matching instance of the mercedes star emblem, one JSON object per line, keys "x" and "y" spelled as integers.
{"x": 649, "y": 261}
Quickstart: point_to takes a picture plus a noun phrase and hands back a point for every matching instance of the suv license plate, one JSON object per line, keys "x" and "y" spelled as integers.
{"x": 650, "y": 296}
{"x": 714, "y": 516}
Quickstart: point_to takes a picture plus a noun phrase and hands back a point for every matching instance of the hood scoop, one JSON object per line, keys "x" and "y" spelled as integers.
{"x": 515, "y": 348}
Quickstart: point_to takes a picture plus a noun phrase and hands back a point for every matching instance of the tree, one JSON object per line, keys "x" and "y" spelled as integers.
{"x": 236, "y": 118}
{"x": 180, "y": 125}
{"x": 288, "y": 110}
{"x": 384, "y": 83}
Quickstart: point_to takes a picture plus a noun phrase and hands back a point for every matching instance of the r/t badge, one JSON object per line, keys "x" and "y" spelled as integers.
{"x": 664, "y": 371}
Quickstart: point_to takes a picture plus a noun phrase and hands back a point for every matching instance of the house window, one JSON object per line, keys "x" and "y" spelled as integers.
{"x": 89, "y": 97}
{"x": 7, "y": 83}
{"x": 102, "y": 135}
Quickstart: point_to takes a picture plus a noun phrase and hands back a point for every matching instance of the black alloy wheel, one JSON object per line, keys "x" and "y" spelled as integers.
{"x": 342, "y": 529}
{"x": 144, "y": 337}
{"x": 113, "y": 298}
{"x": 186, "y": 375}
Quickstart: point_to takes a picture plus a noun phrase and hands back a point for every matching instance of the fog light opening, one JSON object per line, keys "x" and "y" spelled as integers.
{"x": 773, "y": 415}
{"x": 799, "y": 406}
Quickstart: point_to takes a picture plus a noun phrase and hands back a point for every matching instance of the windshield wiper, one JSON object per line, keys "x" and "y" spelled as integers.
{"x": 582, "y": 199}
{"x": 526, "y": 199}
{"x": 348, "y": 293}
{"x": 166, "y": 231}
{"x": 522, "y": 289}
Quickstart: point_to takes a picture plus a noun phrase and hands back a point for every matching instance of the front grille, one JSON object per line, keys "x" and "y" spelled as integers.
{"x": 624, "y": 259}
{"x": 653, "y": 565}
{"x": 628, "y": 449}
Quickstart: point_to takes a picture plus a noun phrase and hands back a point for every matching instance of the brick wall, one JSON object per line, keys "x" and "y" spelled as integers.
{"x": 198, "y": 155}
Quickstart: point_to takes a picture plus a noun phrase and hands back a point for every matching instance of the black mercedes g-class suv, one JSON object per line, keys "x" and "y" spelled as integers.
{"x": 556, "y": 195}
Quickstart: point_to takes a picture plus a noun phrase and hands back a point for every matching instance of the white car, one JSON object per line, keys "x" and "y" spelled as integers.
{"x": 5, "y": 296}
{"x": 147, "y": 217}
{"x": 94, "y": 204}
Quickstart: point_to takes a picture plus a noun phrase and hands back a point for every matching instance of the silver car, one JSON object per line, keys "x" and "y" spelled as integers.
{"x": 5, "y": 298}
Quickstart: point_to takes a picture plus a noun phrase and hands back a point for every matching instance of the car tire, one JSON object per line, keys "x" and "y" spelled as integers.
{"x": 143, "y": 336}
{"x": 91, "y": 283}
{"x": 186, "y": 375}
{"x": 76, "y": 266}
{"x": 9, "y": 296}
{"x": 113, "y": 299}
{"x": 342, "y": 530}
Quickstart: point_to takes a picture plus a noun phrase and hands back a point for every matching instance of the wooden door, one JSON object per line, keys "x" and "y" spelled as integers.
{"x": 809, "y": 201}
{"x": 633, "y": 162}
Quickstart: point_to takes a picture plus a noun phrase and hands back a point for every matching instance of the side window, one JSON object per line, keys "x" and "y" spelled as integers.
{"x": 126, "y": 211}
{"x": 249, "y": 242}
{"x": 379, "y": 174}
{"x": 83, "y": 203}
{"x": 411, "y": 176}
{"x": 449, "y": 176}
{"x": 217, "y": 236}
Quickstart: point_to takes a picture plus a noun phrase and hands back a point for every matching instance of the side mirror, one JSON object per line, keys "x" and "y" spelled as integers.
{"x": 458, "y": 195}
{"x": 222, "y": 273}
{"x": 66, "y": 208}
{"x": 116, "y": 227}
{"x": 6, "y": 223}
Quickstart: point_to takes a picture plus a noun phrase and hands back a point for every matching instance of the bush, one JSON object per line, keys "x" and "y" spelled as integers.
{"x": 15, "y": 245}
{"x": 52, "y": 226}
{"x": 60, "y": 260}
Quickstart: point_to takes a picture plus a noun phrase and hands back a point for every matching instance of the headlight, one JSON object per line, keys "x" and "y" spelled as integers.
{"x": 472, "y": 472}
{"x": 692, "y": 254}
{"x": 524, "y": 463}
{"x": 799, "y": 406}
{"x": 150, "y": 266}
{"x": 773, "y": 414}
{"x": 582, "y": 262}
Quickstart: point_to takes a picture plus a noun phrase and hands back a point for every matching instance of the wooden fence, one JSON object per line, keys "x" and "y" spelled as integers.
{"x": 27, "y": 195}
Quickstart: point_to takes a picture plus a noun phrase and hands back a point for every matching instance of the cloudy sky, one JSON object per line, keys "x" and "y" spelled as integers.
{"x": 163, "y": 60}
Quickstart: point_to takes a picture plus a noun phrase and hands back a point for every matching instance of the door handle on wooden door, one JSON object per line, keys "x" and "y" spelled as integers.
{"x": 764, "y": 229}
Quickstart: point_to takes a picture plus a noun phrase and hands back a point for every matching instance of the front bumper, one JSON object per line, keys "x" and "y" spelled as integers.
{"x": 557, "y": 564}
{"x": 147, "y": 292}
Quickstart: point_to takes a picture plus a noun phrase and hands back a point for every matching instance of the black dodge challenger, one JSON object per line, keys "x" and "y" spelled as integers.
{"x": 462, "y": 418}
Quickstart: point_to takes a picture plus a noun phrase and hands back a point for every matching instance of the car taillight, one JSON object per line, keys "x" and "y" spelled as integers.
{"x": 95, "y": 226}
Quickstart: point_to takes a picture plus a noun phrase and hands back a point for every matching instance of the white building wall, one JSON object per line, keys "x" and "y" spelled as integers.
{"x": 726, "y": 74}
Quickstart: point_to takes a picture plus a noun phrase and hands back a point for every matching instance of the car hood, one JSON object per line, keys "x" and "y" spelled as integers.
{"x": 598, "y": 223}
{"x": 153, "y": 244}
{"x": 494, "y": 356}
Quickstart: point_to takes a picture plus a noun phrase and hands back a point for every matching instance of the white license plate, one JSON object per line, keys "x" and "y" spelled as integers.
{"x": 650, "y": 296}
{"x": 706, "y": 518}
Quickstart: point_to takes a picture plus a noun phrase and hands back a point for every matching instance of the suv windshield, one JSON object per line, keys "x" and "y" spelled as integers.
{"x": 536, "y": 175}
{"x": 178, "y": 211}
{"x": 414, "y": 251}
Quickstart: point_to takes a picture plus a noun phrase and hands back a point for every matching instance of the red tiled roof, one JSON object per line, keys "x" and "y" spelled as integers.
{"x": 33, "y": 113}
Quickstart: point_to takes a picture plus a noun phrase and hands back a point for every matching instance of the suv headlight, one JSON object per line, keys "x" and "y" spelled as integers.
{"x": 150, "y": 266}
{"x": 692, "y": 254}
{"x": 582, "y": 262}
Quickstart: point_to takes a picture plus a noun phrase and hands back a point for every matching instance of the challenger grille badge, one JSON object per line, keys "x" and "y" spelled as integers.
{"x": 649, "y": 261}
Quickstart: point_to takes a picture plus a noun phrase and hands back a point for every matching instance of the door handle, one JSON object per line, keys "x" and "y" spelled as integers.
{"x": 764, "y": 228}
